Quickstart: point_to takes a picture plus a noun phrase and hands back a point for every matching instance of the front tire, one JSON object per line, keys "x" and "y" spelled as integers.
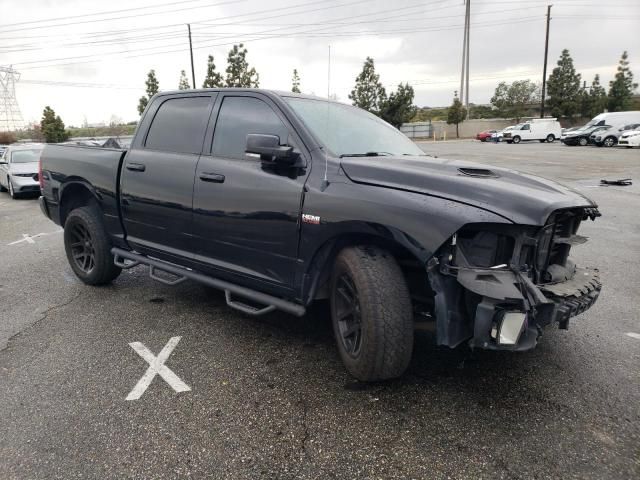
{"x": 609, "y": 142}
{"x": 88, "y": 247}
{"x": 12, "y": 192}
{"x": 583, "y": 142}
{"x": 371, "y": 313}
{"x": 516, "y": 139}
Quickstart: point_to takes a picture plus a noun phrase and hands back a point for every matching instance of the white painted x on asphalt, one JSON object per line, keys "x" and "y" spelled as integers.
{"x": 156, "y": 367}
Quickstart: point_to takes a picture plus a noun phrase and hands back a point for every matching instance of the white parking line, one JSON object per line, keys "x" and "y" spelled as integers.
{"x": 633, "y": 335}
{"x": 156, "y": 367}
{"x": 29, "y": 238}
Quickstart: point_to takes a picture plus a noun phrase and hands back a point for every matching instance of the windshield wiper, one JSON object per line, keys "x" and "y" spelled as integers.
{"x": 367, "y": 154}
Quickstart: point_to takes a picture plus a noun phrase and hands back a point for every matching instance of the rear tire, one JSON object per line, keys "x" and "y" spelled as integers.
{"x": 583, "y": 142}
{"x": 88, "y": 247}
{"x": 371, "y": 313}
{"x": 551, "y": 138}
{"x": 516, "y": 139}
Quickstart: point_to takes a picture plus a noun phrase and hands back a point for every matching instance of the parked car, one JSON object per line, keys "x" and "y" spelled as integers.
{"x": 582, "y": 136}
{"x": 609, "y": 137}
{"x": 567, "y": 131}
{"x": 542, "y": 129}
{"x": 486, "y": 135}
{"x": 498, "y": 136}
{"x": 282, "y": 199}
{"x": 630, "y": 139}
{"x": 19, "y": 169}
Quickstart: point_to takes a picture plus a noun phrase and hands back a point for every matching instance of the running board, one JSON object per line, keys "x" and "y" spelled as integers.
{"x": 126, "y": 259}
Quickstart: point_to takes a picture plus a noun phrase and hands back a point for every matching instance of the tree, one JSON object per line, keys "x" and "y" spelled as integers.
{"x": 183, "y": 84}
{"x": 456, "y": 113}
{"x": 152, "y": 89}
{"x": 563, "y": 88}
{"x": 7, "y": 138}
{"x": 368, "y": 93}
{"x": 52, "y": 127}
{"x": 399, "y": 107}
{"x": 594, "y": 101}
{"x": 213, "y": 78}
{"x": 295, "y": 82}
{"x": 238, "y": 72}
{"x": 621, "y": 87}
{"x": 513, "y": 101}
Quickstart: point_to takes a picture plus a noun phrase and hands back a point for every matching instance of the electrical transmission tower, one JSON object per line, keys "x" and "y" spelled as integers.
{"x": 10, "y": 116}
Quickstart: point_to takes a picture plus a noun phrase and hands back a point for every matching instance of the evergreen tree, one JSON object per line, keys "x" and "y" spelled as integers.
{"x": 152, "y": 89}
{"x": 52, "y": 127}
{"x": 213, "y": 78}
{"x": 456, "y": 113}
{"x": 238, "y": 72}
{"x": 368, "y": 93}
{"x": 295, "y": 82}
{"x": 595, "y": 100}
{"x": 184, "y": 83}
{"x": 621, "y": 88}
{"x": 563, "y": 88}
{"x": 399, "y": 107}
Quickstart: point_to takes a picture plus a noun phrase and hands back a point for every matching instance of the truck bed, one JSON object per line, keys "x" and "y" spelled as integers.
{"x": 97, "y": 169}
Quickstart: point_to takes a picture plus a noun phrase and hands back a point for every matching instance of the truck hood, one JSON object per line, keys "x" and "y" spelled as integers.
{"x": 518, "y": 197}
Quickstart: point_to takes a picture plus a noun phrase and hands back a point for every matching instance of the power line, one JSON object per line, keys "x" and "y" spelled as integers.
{"x": 236, "y": 40}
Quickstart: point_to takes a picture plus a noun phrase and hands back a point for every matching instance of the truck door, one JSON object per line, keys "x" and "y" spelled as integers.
{"x": 157, "y": 176}
{"x": 246, "y": 214}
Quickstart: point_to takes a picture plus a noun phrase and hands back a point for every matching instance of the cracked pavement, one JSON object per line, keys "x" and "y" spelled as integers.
{"x": 270, "y": 398}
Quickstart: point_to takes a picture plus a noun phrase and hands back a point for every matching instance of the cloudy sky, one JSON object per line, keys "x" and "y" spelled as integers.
{"x": 88, "y": 60}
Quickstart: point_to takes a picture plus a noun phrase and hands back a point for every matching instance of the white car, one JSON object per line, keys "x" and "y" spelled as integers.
{"x": 500, "y": 133}
{"x": 630, "y": 139}
{"x": 19, "y": 169}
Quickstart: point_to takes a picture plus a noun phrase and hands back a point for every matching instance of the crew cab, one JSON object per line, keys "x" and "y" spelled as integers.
{"x": 281, "y": 199}
{"x": 541, "y": 129}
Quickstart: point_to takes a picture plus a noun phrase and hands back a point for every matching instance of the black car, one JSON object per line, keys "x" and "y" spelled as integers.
{"x": 281, "y": 199}
{"x": 582, "y": 136}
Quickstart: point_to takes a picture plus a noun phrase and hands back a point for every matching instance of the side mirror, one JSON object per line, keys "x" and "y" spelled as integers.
{"x": 269, "y": 149}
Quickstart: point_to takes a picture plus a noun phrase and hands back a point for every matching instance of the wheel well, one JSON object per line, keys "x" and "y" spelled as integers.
{"x": 414, "y": 270}
{"x": 74, "y": 196}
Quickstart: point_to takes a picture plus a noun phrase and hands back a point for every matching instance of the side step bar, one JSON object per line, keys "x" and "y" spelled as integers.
{"x": 270, "y": 302}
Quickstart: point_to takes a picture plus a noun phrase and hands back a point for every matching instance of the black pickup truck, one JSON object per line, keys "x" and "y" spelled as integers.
{"x": 281, "y": 199}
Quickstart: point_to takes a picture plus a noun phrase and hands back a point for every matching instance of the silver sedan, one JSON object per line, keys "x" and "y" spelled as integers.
{"x": 19, "y": 169}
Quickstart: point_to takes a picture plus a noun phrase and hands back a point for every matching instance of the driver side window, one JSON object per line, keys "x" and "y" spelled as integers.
{"x": 240, "y": 116}
{"x": 526, "y": 127}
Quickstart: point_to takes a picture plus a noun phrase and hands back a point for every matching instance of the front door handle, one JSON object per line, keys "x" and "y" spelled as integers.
{"x": 212, "y": 177}
{"x": 136, "y": 167}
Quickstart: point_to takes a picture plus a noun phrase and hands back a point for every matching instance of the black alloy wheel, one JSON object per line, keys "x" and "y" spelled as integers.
{"x": 348, "y": 315}
{"x": 82, "y": 249}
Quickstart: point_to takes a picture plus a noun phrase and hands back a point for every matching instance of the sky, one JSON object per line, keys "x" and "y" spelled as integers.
{"x": 89, "y": 60}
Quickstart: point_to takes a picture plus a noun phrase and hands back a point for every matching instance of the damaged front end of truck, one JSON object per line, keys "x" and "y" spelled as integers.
{"x": 498, "y": 286}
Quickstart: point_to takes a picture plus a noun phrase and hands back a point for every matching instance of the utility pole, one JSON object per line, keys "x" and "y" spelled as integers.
{"x": 544, "y": 69}
{"x": 193, "y": 72}
{"x": 464, "y": 56}
{"x": 466, "y": 93}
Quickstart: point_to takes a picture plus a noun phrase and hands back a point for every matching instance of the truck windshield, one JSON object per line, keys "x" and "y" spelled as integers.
{"x": 349, "y": 131}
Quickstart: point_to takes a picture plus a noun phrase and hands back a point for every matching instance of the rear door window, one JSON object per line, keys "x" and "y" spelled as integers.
{"x": 240, "y": 116}
{"x": 179, "y": 125}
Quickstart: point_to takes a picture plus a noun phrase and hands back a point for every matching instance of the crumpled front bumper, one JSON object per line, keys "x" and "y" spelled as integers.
{"x": 507, "y": 294}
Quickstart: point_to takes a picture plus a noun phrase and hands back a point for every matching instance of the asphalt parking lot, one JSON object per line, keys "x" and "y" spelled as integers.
{"x": 269, "y": 397}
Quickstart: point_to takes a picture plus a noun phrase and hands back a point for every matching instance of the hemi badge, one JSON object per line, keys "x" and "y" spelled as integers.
{"x": 313, "y": 219}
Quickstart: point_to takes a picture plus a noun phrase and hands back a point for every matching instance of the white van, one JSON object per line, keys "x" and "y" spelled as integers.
{"x": 542, "y": 129}
{"x": 617, "y": 121}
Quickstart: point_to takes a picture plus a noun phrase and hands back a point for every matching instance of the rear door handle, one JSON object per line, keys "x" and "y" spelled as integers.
{"x": 136, "y": 167}
{"x": 212, "y": 177}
